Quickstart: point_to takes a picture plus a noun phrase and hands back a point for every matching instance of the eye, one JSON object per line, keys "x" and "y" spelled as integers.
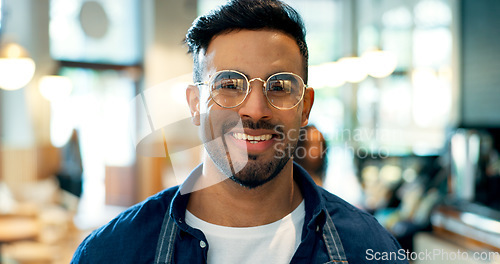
{"x": 228, "y": 81}
{"x": 279, "y": 86}
{"x": 276, "y": 86}
{"x": 229, "y": 87}
{"x": 229, "y": 84}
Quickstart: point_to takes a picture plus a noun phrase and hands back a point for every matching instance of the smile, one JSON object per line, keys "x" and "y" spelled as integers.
{"x": 252, "y": 139}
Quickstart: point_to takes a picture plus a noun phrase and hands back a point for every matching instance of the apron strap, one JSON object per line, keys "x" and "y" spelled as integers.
{"x": 333, "y": 243}
{"x": 166, "y": 241}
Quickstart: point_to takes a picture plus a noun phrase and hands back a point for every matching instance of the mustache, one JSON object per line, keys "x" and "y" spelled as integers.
{"x": 247, "y": 123}
{"x": 261, "y": 124}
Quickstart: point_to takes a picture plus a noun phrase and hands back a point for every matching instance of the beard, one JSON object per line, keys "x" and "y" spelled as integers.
{"x": 255, "y": 174}
{"x": 253, "y": 170}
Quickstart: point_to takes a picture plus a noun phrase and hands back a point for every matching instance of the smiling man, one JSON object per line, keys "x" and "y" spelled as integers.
{"x": 249, "y": 100}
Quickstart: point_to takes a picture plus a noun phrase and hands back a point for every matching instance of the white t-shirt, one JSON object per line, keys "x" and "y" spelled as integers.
{"x": 272, "y": 243}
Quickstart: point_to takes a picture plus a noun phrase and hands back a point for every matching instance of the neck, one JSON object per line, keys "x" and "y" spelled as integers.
{"x": 230, "y": 204}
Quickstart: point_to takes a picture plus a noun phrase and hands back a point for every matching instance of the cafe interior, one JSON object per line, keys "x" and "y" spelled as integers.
{"x": 93, "y": 117}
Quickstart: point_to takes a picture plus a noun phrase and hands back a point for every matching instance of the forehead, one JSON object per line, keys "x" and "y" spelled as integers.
{"x": 254, "y": 52}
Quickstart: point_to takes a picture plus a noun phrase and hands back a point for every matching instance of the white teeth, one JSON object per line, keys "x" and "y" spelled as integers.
{"x": 252, "y": 139}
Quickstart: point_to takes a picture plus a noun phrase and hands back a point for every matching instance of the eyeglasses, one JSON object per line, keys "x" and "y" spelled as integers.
{"x": 230, "y": 88}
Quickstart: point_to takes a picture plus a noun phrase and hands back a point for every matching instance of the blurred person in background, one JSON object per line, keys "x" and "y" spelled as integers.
{"x": 249, "y": 102}
{"x": 70, "y": 172}
{"x": 311, "y": 153}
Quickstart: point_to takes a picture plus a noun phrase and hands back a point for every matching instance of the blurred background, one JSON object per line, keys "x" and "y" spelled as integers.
{"x": 407, "y": 104}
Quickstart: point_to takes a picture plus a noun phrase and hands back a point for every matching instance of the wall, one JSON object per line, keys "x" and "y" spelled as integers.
{"x": 480, "y": 62}
{"x": 24, "y": 113}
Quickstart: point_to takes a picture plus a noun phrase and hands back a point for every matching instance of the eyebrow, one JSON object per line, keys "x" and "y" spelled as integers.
{"x": 248, "y": 77}
{"x": 240, "y": 71}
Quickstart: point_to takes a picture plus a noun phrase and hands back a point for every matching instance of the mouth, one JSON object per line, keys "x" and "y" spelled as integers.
{"x": 252, "y": 139}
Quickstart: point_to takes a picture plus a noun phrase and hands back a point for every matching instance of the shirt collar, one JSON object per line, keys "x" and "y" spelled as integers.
{"x": 314, "y": 203}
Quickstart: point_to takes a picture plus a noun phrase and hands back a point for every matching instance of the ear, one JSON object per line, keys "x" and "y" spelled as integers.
{"x": 308, "y": 103}
{"x": 193, "y": 100}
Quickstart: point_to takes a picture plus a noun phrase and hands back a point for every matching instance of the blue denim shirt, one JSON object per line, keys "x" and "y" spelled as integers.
{"x": 134, "y": 235}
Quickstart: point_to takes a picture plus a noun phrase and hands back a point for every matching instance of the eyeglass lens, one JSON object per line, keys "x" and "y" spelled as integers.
{"x": 230, "y": 88}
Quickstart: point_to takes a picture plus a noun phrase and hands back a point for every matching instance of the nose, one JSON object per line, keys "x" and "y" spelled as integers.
{"x": 255, "y": 105}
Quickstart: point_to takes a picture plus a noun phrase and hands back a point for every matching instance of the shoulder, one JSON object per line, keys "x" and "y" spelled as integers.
{"x": 133, "y": 231}
{"x": 359, "y": 231}
{"x": 337, "y": 207}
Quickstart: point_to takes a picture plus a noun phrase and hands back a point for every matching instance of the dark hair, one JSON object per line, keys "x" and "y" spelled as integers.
{"x": 245, "y": 14}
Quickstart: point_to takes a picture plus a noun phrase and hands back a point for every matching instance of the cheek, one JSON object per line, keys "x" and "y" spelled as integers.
{"x": 291, "y": 119}
{"x": 216, "y": 120}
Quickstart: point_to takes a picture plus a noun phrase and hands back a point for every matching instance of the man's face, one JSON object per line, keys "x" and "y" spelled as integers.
{"x": 262, "y": 147}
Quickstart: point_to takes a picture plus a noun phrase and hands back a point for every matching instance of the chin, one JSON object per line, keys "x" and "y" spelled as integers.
{"x": 254, "y": 175}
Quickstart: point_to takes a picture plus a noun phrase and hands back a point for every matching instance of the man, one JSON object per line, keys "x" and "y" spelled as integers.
{"x": 249, "y": 101}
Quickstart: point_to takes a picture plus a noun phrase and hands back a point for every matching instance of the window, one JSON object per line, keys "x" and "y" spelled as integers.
{"x": 99, "y": 48}
{"x": 410, "y": 109}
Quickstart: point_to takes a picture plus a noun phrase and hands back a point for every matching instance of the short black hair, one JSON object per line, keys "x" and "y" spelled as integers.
{"x": 245, "y": 14}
